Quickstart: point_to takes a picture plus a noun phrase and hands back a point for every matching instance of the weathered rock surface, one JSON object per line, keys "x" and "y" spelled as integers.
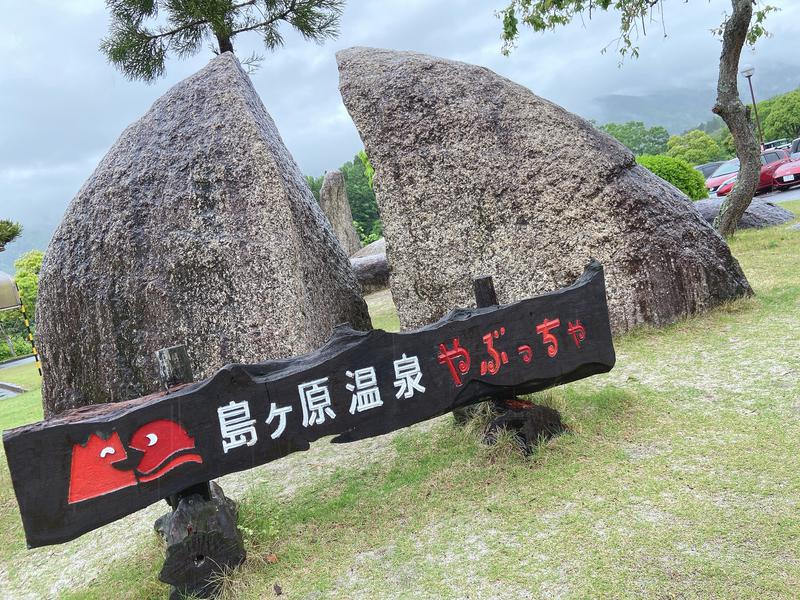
{"x": 795, "y": 227}
{"x": 335, "y": 205}
{"x": 196, "y": 228}
{"x": 760, "y": 213}
{"x": 376, "y": 247}
{"x": 371, "y": 266}
{"x": 372, "y": 272}
{"x": 476, "y": 175}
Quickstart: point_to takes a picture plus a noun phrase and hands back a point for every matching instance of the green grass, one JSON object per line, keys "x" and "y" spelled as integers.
{"x": 15, "y": 411}
{"x": 24, "y": 375}
{"x": 680, "y": 479}
{"x": 382, "y": 311}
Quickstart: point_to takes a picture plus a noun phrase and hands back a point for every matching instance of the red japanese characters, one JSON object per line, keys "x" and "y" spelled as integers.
{"x": 496, "y": 359}
{"x": 549, "y": 340}
{"x": 577, "y": 331}
{"x": 94, "y": 469}
{"x": 458, "y": 361}
{"x": 526, "y": 352}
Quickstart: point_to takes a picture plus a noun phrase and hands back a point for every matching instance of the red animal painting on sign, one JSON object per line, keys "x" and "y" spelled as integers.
{"x": 93, "y": 472}
{"x": 166, "y": 445}
{"x": 95, "y": 469}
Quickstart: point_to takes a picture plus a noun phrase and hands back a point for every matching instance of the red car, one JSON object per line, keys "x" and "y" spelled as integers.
{"x": 723, "y": 179}
{"x": 787, "y": 175}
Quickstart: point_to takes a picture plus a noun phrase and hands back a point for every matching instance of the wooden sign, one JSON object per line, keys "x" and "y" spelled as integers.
{"x": 91, "y": 466}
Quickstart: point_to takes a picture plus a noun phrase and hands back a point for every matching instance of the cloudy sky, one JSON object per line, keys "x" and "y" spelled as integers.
{"x": 62, "y": 105}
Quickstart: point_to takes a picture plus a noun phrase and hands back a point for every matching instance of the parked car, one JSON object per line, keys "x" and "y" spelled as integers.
{"x": 794, "y": 150}
{"x": 787, "y": 175}
{"x": 781, "y": 143}
{"x": 708, "y": 168}
{"x": 723, "y": 179}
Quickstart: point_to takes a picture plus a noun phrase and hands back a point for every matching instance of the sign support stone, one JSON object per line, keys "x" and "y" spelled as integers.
{"x": 201, "y": 531}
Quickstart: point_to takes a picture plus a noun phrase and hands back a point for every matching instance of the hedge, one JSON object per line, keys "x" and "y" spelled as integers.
{"x": 677, "y": 172}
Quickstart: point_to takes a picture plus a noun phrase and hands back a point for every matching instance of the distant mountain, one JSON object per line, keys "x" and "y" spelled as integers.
{"x": 681, "y": 109}
{"x": 686, "y": 109}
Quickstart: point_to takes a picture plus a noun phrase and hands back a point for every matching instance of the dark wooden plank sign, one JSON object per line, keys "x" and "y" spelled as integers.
{"x": 91, "y": 466}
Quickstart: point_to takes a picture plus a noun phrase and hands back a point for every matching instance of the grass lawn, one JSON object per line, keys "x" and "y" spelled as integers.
{"x": 24, "y": 375}
{"x": 14, "y": 411}
{"x": 680, "y": 479}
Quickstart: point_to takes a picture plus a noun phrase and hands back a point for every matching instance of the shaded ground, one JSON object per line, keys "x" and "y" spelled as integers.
{"x": 681, "y": 479}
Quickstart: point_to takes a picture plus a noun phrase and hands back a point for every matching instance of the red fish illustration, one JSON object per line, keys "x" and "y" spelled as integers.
{"x": 165, "y": 445}
{"x": 92, "y": 472}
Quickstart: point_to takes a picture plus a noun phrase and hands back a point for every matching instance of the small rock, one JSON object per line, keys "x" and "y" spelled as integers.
{"x": 376, "y": 247}
{"x": 760, "y": 213}
{"x": 530, "y": 424}
{"x": 372, "y": 272}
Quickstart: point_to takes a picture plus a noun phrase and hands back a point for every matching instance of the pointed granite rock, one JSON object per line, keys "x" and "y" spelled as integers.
{"x": 196, "y": 228}
{"x": 476, "y": 175}
{"x": 336, "y": 206}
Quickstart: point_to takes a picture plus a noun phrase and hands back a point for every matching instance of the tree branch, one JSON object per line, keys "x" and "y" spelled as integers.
{"x": 279, "y": 17}
{"x": 192, "y": 24}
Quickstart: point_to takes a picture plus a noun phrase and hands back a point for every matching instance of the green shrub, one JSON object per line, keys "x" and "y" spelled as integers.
{"x": 677, "y": 172}
{"x": 21, "y": 347}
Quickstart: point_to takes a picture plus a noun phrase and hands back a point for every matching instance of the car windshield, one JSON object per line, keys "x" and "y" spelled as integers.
{"x": 726, "y": 168}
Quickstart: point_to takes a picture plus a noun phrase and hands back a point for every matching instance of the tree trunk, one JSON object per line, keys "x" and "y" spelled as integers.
{"x": 225, "y": 43}
{"x": 9, "y": 341}
{"x": 737, "y": 117}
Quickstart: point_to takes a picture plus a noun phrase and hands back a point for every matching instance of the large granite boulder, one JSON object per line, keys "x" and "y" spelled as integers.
{"x": 196, "y": 228}
{"x": 760, "y": 213}
{"x": 335, "y": 205}
{"x": 476, "y": 175}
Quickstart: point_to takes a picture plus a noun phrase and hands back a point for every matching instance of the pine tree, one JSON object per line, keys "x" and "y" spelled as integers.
{"x": 144, "y": 32}
{"x": 9, "y": 231}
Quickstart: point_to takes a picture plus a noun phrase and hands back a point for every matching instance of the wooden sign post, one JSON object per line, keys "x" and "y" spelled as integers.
{"x": 91, "y": 466}
{"x": 201, "y": 533}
